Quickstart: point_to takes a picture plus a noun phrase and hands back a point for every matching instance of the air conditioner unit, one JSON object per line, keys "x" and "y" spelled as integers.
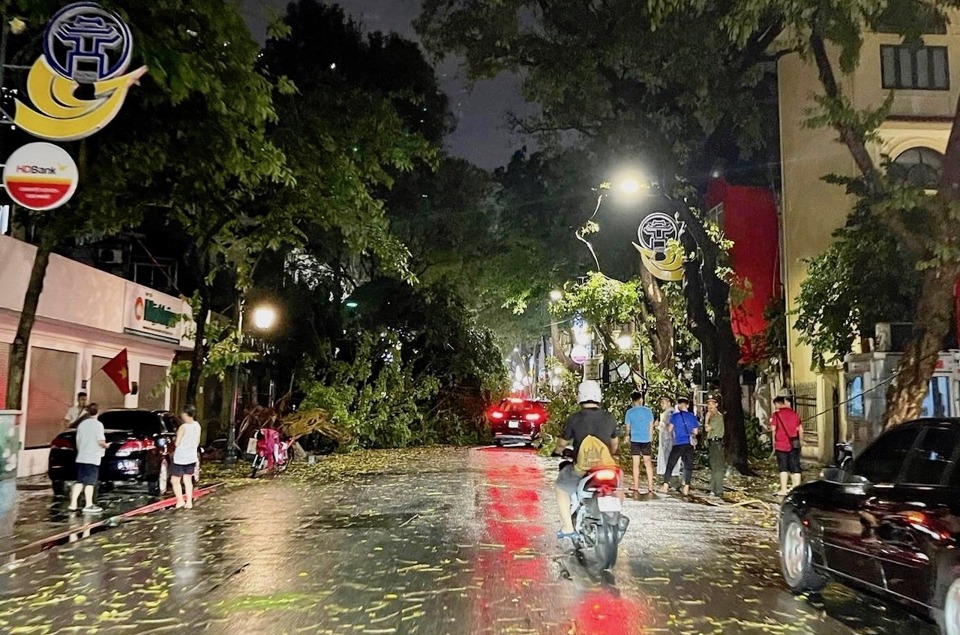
{"x": 110, "y": 256}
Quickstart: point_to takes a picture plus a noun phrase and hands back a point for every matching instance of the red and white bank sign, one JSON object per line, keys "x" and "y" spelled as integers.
{"x": 40, "y": 176}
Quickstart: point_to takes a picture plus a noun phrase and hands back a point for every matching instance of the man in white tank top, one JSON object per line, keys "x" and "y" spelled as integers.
{"x": 185, "y": 457}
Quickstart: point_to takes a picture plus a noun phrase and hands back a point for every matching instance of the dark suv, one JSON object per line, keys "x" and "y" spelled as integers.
{"x": 888, "y": 522}
{"x": 516, "y": 420}
{"x": 141, "y": 447}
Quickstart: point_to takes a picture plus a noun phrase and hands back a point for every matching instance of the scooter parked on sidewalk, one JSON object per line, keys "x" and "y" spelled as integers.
{"x": 273, "y": 452}
{"x": 596, "y": 509}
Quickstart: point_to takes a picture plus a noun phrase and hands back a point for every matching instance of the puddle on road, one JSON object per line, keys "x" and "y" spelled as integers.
{"x": 16, "y": 556}
{"x": 357, "y": 521}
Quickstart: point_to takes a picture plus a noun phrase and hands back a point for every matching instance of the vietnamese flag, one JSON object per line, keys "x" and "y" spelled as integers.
{"x": 117, "y": 370}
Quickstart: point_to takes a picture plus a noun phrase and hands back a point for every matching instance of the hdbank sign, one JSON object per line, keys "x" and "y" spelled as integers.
{"x": 80, "y": 82}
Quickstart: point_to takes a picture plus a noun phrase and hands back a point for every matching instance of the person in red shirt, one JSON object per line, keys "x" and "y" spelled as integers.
{"x": 787, "y": 432}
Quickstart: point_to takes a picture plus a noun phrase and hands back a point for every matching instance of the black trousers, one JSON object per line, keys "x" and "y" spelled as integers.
{"x": 683, "y": 453}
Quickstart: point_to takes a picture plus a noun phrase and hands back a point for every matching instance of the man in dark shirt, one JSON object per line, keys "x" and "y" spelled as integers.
{"x": 590, "y": 420}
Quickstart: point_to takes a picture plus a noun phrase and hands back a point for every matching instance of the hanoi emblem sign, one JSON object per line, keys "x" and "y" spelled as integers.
{"x": 654, "y": 234}
{"x": 80, "y": 82}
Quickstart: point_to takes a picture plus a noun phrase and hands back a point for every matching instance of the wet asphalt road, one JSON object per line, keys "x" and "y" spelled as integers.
{"x": 461, "y": 544}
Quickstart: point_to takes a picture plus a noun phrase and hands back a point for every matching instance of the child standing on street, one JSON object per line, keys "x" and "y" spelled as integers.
{"x": 185, "y": 457}
{"x": 91, "y": 446}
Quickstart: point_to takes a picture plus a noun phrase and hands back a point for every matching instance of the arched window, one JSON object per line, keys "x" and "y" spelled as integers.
{"x": 919, "y": 167}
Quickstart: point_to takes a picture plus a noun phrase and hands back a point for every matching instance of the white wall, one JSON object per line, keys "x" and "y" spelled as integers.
{"x": 81, "y": 311}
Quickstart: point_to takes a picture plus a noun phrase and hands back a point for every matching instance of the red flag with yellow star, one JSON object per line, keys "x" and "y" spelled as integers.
{"x": 117, "y": 370}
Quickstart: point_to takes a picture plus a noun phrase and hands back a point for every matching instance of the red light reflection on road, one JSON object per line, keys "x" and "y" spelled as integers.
{"x": 517, "y": 590}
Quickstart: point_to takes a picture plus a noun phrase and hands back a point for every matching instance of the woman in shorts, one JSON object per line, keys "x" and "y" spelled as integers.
{"x": 185, "y": 457}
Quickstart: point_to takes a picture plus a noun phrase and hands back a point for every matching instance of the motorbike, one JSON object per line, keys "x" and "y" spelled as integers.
{"x": 273, "y": 452}
{"x": 843, "y": 454}
{"x": 596, "y": 512}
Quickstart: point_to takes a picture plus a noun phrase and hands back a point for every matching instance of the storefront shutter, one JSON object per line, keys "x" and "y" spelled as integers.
{"x": 103, "y": 391}
{"x": 51, "y": 392}
{"x": 151, "y": 386}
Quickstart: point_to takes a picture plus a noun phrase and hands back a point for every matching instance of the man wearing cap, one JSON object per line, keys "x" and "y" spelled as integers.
{"x": 713, "y": 423}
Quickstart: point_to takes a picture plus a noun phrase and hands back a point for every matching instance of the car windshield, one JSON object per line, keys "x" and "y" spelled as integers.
{"x": 140, "y": 422}
{"x": 518, "y": 406}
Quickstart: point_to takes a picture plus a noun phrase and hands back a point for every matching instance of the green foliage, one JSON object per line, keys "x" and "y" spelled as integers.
{"x": 374, "y": 399}
{"x": 865, "y": 277}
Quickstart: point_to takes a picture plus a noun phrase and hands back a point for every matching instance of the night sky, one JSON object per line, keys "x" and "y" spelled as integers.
{"x": 482, "y": 135}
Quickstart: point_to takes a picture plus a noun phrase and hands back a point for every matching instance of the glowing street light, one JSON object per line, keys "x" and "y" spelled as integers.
{"x": 629, "y": 186}
{"x": 264, "y": 317}
{"x": 556, "y": 295}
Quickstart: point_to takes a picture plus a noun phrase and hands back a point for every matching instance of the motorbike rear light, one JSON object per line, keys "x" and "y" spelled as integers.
{"x": 61, "y": 444}
{"x": 605, "y": 475}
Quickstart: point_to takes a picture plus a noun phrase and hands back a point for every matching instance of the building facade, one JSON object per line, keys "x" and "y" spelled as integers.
{"x": 85, "y": 317}
{"x": 925, "y": 83}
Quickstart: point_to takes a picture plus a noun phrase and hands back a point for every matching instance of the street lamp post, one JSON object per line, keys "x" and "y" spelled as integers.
{"x": 263, "y": 318}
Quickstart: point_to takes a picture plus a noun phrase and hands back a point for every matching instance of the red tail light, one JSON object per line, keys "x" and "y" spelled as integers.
{"x": 925, "y": 523}
{"x": 605, "y": 475}
{"x": 135, "y": 445}
{"x": 497, "y": 415}
{"x": 532, "y": 417}
{"x": 61, "y": 444}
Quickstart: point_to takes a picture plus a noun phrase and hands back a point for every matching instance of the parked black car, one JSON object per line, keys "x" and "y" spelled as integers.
{"x": 888, "y": 523}
{"x": 141, "y": 447}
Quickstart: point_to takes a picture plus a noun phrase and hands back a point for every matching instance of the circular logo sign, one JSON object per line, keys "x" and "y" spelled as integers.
{"x": 656, "y": 230}
{"x": 579, "y": 354}
{"x": 86, "y": 43}
{"x": 40, "y": 176}
{"x": 138, "y": 309}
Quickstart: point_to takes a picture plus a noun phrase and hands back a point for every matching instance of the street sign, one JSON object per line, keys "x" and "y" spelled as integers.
{"x": 80, "y": 82}
{"x": 40, "y": 176}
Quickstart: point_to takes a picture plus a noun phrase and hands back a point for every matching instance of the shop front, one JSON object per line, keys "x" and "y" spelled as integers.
{"x": 84, "y": 319}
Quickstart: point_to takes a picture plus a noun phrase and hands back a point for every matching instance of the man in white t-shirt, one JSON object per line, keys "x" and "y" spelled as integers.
{"x": 75, "y": 411}
{"x": 91, "y": 446}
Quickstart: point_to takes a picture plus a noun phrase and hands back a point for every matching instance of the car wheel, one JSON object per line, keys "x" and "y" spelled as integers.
{"x": 159, "y": 486}
{"x": 59, "y": 488}
{"x": 498, "y": 443}
{"x": 950, "y": 621}
{"x": 796, "y": 557}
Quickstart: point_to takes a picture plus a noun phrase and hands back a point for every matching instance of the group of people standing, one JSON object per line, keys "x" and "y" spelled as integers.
{"x": 678, "y": 434}
{"x": 678, "y": 431}
{"x": 91, "y": 443}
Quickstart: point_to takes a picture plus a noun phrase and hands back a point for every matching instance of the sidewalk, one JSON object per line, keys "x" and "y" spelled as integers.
{"x": 38, "y": 515}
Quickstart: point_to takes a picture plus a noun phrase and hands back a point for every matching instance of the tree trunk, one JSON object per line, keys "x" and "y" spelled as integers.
{"x": 703, "y": 285}
{"x": 664, "y": 337}
{"x": 28, "y": 315}
{"x": 199, "y": 345}
{"x": 919, "y": 361}
{"x": 728, "y": 367}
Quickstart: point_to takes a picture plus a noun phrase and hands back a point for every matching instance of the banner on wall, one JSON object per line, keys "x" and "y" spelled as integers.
{"x": 152, "y": 314}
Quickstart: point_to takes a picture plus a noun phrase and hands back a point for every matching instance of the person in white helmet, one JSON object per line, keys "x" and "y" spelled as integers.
{"x": 590, "y": 420}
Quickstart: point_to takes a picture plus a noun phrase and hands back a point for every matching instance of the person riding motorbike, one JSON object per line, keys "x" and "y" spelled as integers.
{"x": 590, "y": 420}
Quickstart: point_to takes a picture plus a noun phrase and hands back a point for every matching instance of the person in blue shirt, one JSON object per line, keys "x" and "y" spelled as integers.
{"x": 639, "y": 420}
{"x": 684, "y": 426}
